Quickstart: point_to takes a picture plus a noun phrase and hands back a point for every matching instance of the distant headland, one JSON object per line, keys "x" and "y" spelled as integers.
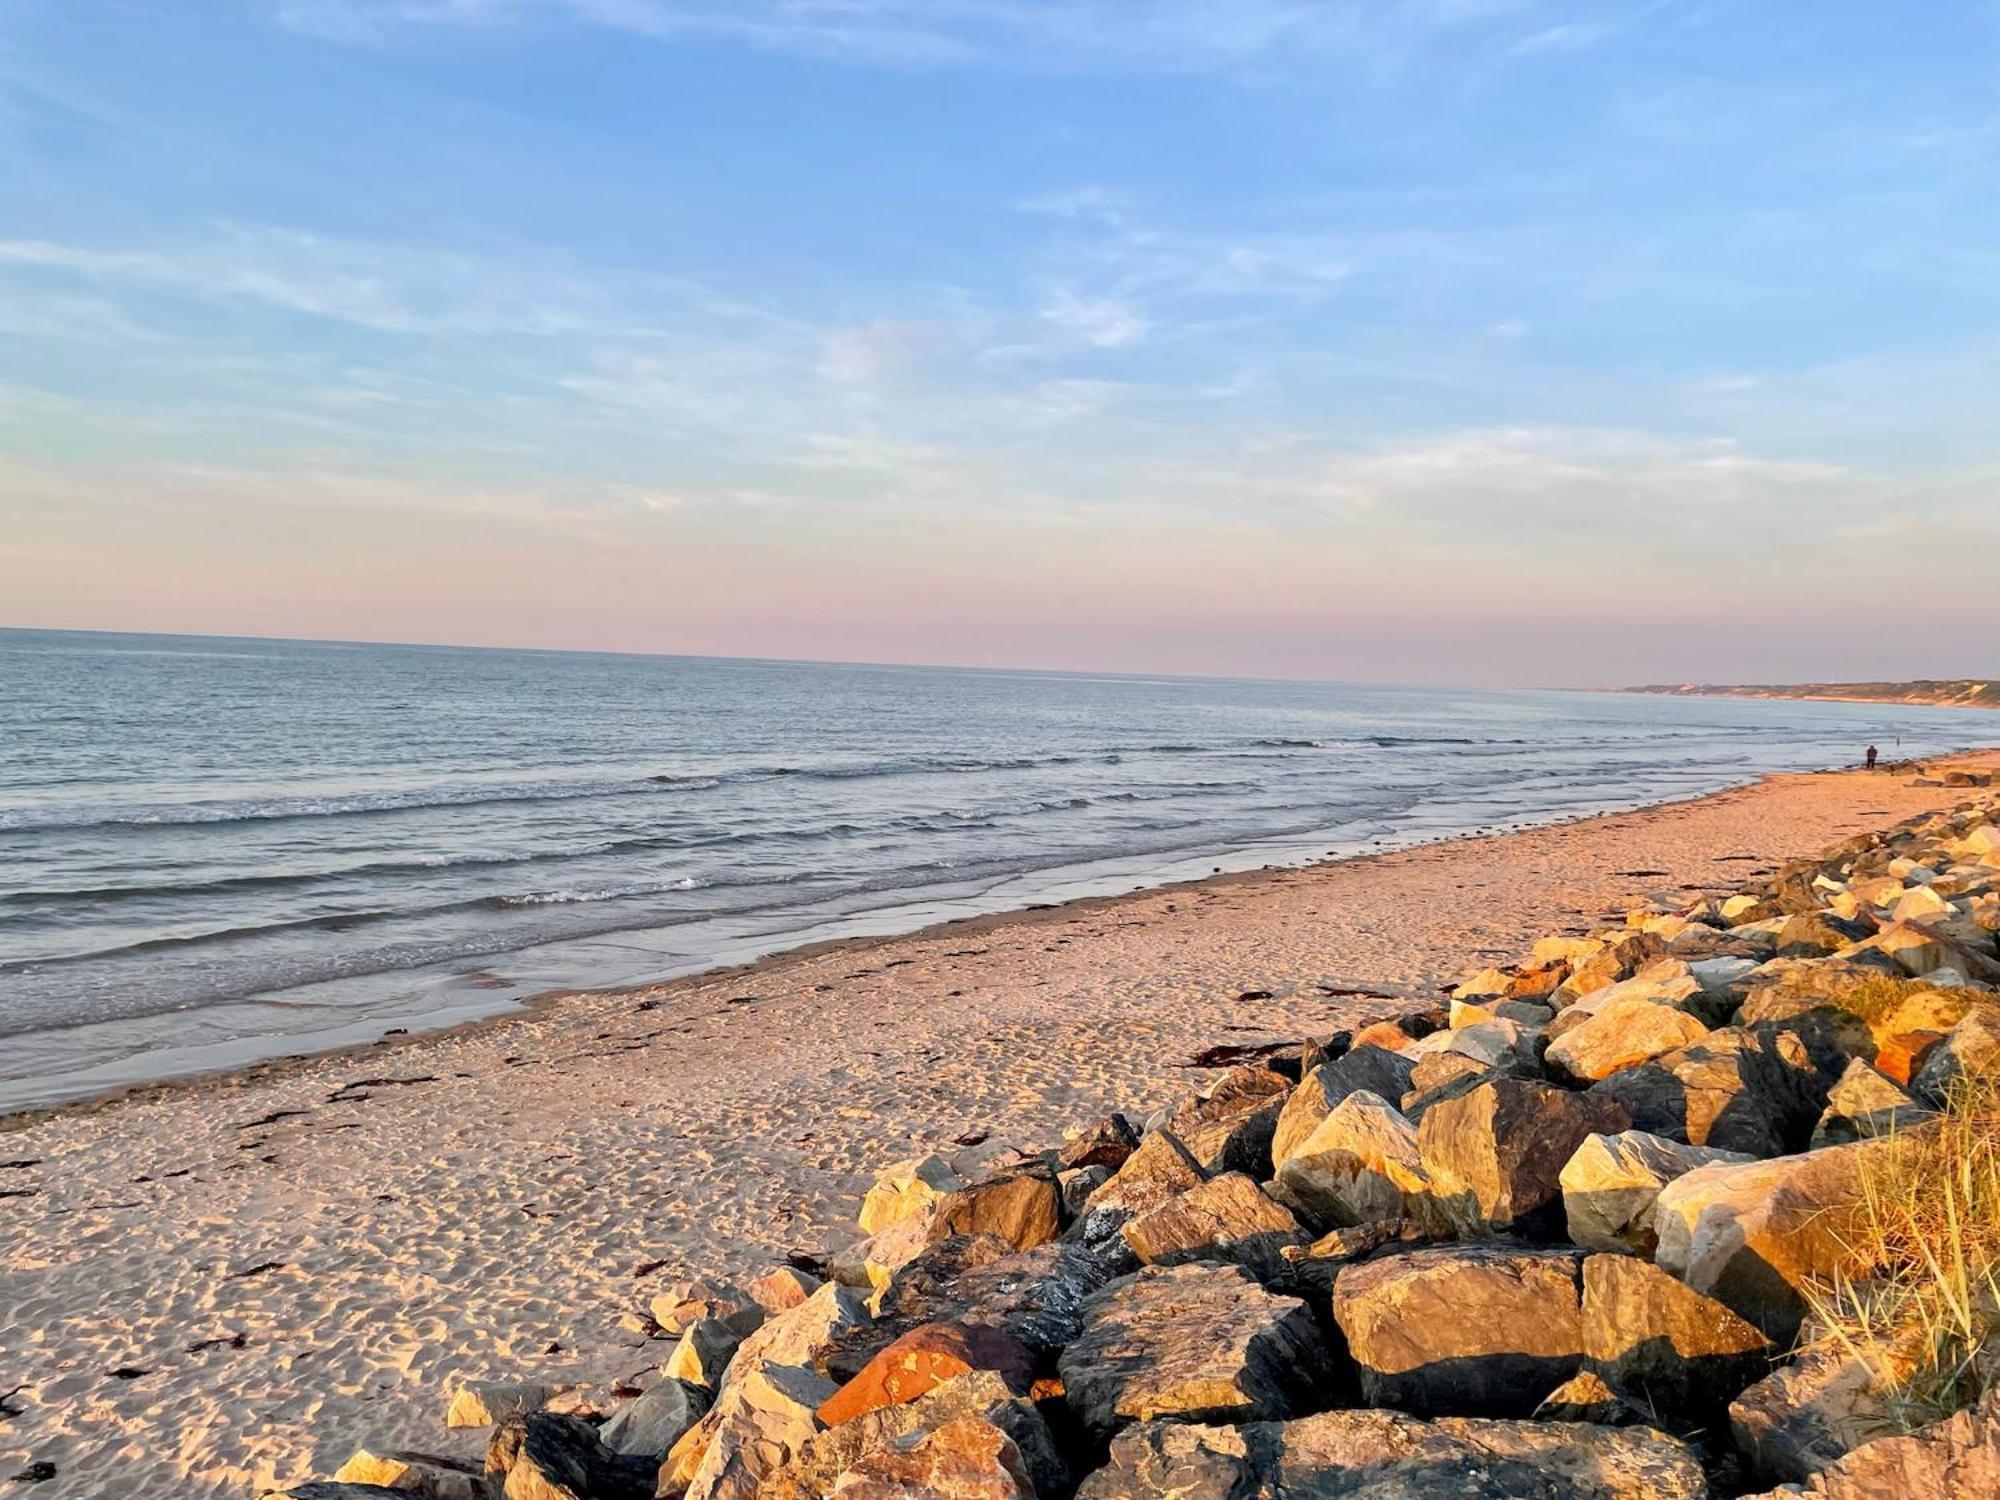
{"x": 1954, "y": 693}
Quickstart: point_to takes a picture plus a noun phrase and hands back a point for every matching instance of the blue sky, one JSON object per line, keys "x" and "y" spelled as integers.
{"x": 1457, "y": 340}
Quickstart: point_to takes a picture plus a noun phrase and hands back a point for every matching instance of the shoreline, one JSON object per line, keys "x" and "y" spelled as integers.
{"x": 542, "y": 1003}
{"x": 325, "y": 1245}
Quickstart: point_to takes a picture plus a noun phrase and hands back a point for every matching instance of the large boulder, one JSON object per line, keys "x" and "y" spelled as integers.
{"x": 1229, "y": 1126}
{"x": 1462, "y": 1329}
{"x": 1023, "y": 1208}
{"x": 1196, "y": 1343}
{"x": 1160, "y": 1170}
{"x": 1036, "y": 1297}
{"x": 1385, "y": 1455}
{"x": 545, "y": 1456}
{"x": 1753, "y": 1235}
{"x": 969, "y": 1459}
{"x": 1663, "y": 1344}
{"x": 414, "y": 1476}
{"x": 818, "y": 1463}
{"x": 905, "y": 1189}
{"x": 804, "y": 1334}
{"x": 1736, "y": 1089}
{"x": 1621, "y": 1035}
{"x": 923, "y": 1359}
{"x": 651, "y": 1423}
{"x": 1971, "y": 1049}
{"x": 1950, "y": 1460}
{"x": 762, "y": 1419}
{"x": 1380, "y": 1071}
{"x": 1227, "y": 1218}
{"x": 1807, "y": 1415}
{"x": 1863, "y": 1104}
{"x": 1360, "y": 1165}
{"x": 1494, "y": 1155}
{"x": 1611, "y": 1184}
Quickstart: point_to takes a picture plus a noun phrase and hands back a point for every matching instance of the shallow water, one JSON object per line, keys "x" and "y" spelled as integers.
{"x": 212, "y": 850}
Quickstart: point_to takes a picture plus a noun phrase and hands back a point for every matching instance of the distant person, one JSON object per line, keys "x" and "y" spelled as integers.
{"x": 1872, "y": 752}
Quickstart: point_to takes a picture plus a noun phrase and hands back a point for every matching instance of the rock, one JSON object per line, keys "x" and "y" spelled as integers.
{"x": 1104, "y": 1143}
{"x": 868, "y": 1264}
{"x": 703, "y": 1353}
{"x": 543, "y": 1456}
{"x": 487, "y": 1403}
{"x": 1157, "y": 1460}
{"x": 679, "y": 1305}
{"x": 1817, "y": 933}
{"x": 1612, "y": 1182}
{"x": 1462, "y": 1329}
{"x": 1920, "y": 950}
{"x": 1584, "y": 1397}
{"x": 1438, "y": 1071}
{"x": 906, "y": 1189}
{"x": 1970, "y": 1049}
{"x": 803, "y": 1335}
{"x": 927, "y": 1290}
{"x": 1663, "y": 1345}
{"x": 1360, "y": 1164}
{"x": 1158, "y": 1172}
{"x": 1949, "y": 1460}
{"x": 1036, "y": 1298}
{"x": 759, "y": 1422}
{"x": 1077, "y": 1185}
{"x": 1381, "y": 1072}
{"x": 822, "y": 1459}
{"x": 1384, "y": 1455}
{"x": 311, "y": 1489}
{"x": 1228, "y": 1127}
{"x": 1621, "y": 1035}
{"x": 923, "y": 1359}
{"x": 424, "y": 1475}
{"x": 1197, "y": 1343}
{"x": 1806, "y": 1415}
{"x": 1620, "y": 959}
{"x": 1736, "y": 1090}
{"x": 1227, "y": 1218}
{"x": 1310, "y": 1270}
{"x": 1494, "y": 1155}
{"x": 1498, "y": 1044}
{"x": 783, "y": 1289}
{"x": 1023, "y": 1208}
{"x": 651, "y": 1423}
{"x": 963, "y": 1460}
{"x": 1752, "y": 1235}
{"x": 1865, "y": 1103}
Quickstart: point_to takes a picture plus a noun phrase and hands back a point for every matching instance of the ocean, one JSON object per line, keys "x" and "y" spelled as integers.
{"x": 219, "y": 850}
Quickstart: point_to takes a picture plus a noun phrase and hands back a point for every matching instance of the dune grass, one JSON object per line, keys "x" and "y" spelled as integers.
{"x": 1924, "y": 1316}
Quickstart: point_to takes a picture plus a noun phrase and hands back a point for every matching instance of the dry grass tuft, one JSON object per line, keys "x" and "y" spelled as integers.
{"x": 1928, "y": 1228}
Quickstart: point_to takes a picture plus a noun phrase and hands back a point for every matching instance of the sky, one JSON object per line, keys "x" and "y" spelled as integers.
{"x": 1530, "y": 342}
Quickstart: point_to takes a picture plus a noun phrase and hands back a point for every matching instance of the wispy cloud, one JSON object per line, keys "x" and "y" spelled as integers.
{"x": 1160, "y": 34}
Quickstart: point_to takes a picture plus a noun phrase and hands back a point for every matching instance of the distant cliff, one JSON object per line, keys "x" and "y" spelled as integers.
{"x": 1957, "y": 693}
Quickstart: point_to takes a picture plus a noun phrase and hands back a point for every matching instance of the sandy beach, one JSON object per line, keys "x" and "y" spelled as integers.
{"x": 236, "y": 1281}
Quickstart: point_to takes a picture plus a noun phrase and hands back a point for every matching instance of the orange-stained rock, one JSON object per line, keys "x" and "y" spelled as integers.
{"x": 1384, "y": 1034}
{"x": 1899, "y": 1056}
{"x": 923, "y": 1359}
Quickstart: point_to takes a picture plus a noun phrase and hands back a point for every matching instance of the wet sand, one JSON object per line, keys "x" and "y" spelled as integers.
{"x": 231, "y": 1282}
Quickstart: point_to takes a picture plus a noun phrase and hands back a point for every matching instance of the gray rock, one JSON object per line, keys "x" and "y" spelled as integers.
{"x": 1738, "y": 1090}
{"x": 1807, "y": 1415}
{"x": 653, "y": 1422}
{"x": 1196, "y": 1343}
{"x": 1955, "y": 1459}
{"x": 544, "y": 1456}
{"x": 1863, "y": 1104}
